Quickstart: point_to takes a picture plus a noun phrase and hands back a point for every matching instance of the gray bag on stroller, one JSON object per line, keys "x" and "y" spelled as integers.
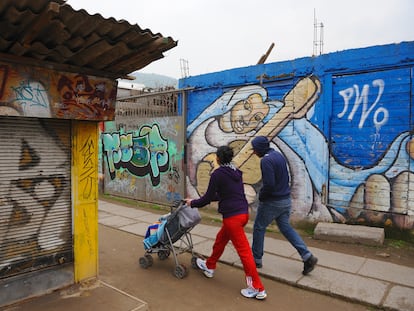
{"x": 188, "y": 216}
{"x": 179, "y": 222}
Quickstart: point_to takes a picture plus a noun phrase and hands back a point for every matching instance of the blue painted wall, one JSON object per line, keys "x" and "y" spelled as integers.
{"x": 343, "y": 120}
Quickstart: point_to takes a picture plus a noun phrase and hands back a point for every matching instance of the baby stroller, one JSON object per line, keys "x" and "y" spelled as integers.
{"x": 171, "y": 234}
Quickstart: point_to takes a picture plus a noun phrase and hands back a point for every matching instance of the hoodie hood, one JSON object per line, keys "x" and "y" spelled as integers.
{"x": 261, "y": 145}
{"x": 231, "y": 171}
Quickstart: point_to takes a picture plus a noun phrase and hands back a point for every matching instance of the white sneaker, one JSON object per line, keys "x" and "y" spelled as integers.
{"x": 253, "y": 293}
{"x": 201, "y": 264}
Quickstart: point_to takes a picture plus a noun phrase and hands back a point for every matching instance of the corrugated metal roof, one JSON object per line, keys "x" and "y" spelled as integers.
{"x": 53, "y": 32}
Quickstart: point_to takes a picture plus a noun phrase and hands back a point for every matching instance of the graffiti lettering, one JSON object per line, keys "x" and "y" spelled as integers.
{"x": 380, "y": 116}
{"x": 144, "y": 154}
{"x": 174, "y": 175}
{"x": 31, "y": 93}
{"x": 88, "y": 168}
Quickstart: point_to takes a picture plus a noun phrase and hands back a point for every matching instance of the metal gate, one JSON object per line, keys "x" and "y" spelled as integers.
{"x": 35, "y": 195}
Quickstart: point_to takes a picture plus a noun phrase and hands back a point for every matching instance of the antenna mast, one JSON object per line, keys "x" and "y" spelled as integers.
{"x": 185, "y": 72}
{"x": 317, "y": 36}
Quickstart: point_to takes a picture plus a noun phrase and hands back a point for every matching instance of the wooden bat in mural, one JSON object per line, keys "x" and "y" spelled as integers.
{"x": 296, "y": 104}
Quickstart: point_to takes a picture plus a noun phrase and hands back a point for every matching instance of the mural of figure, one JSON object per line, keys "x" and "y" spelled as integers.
{"x": 385, "y": 195}
{"x": 239, "y": 115}
{"x": 235, "y": 119}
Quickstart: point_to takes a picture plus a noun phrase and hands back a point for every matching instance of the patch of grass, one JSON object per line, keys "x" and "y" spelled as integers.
{"x": 134, "y": 203}
{"x": 398, "y": 243}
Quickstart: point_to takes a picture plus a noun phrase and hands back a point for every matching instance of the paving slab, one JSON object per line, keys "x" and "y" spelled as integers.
{"x": 346, "y": 285}
{"x": 150, "y": 218}
{"x": 116, "y": 221}
{"x": 206, "y": 231}
{"x": 130, "y": 212}
{"x": 400, "y": 298}
{"x": 338, "y": 261}
{"x": 102, "y": 214}
{"x": 389, "y": 272}
{"x": 280, "y": 247}
{"x": 138, "y": 228}
{"x": 106, "y": 206}
{"x": 281, "y": 268}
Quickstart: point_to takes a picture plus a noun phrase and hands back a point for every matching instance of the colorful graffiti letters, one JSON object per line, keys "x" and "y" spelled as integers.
{"x": 141, "y": 155}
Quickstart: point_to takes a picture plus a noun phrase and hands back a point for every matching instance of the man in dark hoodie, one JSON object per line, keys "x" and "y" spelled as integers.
{"x": 226, "y": 187}
{"x": 275, "y": 204}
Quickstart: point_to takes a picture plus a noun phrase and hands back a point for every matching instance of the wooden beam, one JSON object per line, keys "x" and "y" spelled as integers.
{"x": 265, "y": 56}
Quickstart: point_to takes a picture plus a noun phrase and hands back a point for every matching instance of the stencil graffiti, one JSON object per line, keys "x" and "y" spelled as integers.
{"x": 144, "y": 154}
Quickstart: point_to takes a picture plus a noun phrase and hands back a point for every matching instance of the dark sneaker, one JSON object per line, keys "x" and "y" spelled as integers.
{"x": 259, "y": 265}
{"x": 309, "y": 265}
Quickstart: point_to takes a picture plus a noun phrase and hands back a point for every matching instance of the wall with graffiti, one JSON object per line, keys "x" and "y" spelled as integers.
{"x": 344, "y": 121}
{"x": 38, "y": 92}
{"x": 142, "y": 158}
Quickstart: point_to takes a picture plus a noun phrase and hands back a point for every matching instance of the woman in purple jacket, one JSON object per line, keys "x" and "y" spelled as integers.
{"x": 226, "y": 187}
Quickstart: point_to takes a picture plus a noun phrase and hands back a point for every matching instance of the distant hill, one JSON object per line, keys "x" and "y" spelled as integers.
{"x": 154, "y": 81}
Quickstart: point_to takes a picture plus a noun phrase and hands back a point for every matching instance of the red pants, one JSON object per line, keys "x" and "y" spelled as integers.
{"x": 232, "y": 230}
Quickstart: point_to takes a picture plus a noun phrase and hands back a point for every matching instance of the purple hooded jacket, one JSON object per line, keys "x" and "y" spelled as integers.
{"x": 226, "y": 187}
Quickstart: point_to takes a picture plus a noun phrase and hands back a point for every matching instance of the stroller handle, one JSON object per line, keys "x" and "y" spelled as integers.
{"x": 177, "y": 204}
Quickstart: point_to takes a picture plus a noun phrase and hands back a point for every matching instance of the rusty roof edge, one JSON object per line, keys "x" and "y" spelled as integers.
{"x": 62, "y": 67}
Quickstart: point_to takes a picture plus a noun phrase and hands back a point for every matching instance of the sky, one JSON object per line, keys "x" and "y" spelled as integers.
{"x": 216, "y": 35}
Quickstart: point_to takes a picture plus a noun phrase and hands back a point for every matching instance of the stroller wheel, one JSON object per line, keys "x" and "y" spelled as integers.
{"x": 194, "y": 262}
{"x": 162, "y": 255}
{"x": 180, "y": 271}
{"x": 146, "y": 261}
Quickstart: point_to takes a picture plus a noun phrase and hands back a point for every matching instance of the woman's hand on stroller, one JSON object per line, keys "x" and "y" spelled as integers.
{"x": 188, "y": 201}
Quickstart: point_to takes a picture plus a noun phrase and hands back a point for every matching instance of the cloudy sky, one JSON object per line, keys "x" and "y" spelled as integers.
{"x": 215, "y": 35}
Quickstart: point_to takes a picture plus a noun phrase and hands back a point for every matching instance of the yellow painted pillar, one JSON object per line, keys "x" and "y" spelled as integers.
{"x": 85, "y": 199}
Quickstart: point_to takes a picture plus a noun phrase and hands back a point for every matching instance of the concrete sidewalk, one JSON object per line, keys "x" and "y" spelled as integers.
{"x": 358, "y": 279}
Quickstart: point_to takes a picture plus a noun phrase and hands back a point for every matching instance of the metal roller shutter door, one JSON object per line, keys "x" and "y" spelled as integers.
{"x": 35, "y": 195}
